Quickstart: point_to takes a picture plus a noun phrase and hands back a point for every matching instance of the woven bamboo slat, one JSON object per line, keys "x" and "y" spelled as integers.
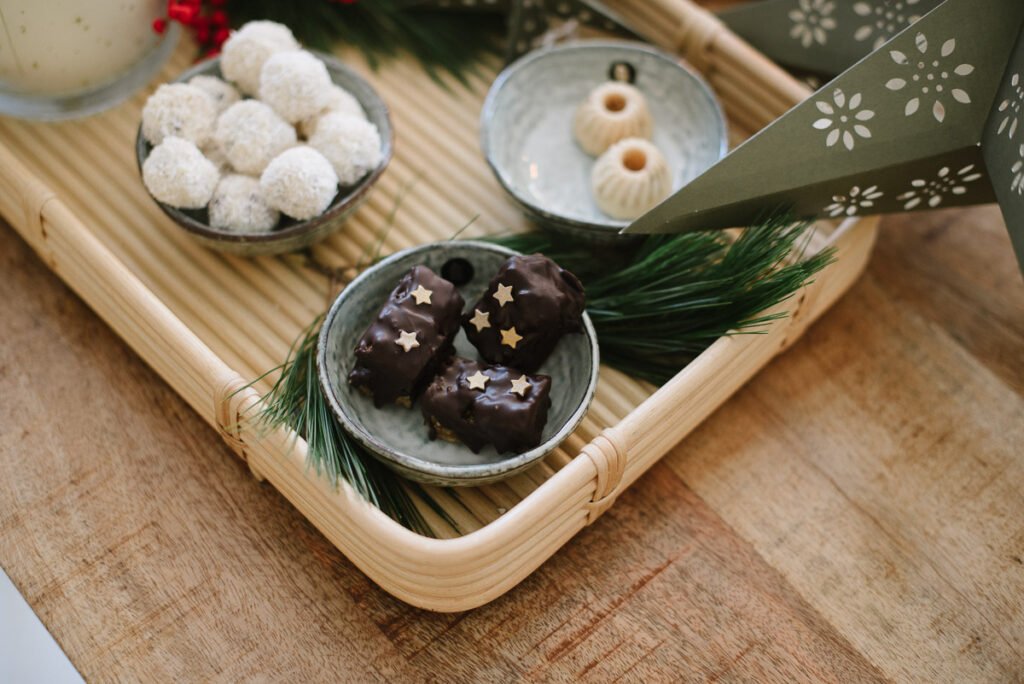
{"x": 207, "y": 322}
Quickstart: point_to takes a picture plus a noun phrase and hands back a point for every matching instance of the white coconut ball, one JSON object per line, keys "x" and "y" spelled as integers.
{"x": 351, "y": 144}
{"x": 245, "y": 51}
{"x": 221, "y": 92}
{"x": 295, "y": 84}
{"x": 250, "y": 134}
{"x": 299, "y": 182}
{"x": 177, "y": 173}
{"x": 180, "y": 110}
{"x": 338, "y": 100}
{"x": 238, "y": 205}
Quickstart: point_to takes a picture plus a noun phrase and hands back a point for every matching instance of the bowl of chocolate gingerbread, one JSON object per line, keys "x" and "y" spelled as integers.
{"x": 460, "y": 362}
{"x": 266, "y": 148}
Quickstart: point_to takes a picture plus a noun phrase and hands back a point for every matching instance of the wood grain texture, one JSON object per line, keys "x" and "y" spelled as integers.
{"x": 853, "y": 514}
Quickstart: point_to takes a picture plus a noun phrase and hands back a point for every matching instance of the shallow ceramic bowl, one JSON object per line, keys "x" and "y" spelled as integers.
{"x": 527, "y": 128}
{"x": 290, "y": 234}
{"x": 397, "y": 435}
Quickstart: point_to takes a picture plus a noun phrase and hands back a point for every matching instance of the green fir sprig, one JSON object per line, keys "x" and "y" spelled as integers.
{"x": 441, "y": 41}
{"x": 655, "y": 306}
{"x": 296, "y": 402}
{"x": 659, "y": 304}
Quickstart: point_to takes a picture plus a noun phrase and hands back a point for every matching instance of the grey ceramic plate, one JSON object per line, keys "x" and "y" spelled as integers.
{"x": 290, "y": 235}
{"x": 398, "y": 435}
{"x": 527, "y": 128}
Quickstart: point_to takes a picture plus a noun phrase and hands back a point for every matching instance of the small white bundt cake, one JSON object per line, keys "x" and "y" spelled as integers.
{"x": 251, "y": 134}
{"x": 612, "y": 111}
{"x": 245, "y": 51}
{"x": 338, "y": 100}
{"x": 350, "y": 144}
{"x": 295, "y": 84}
{"x": 238, "y": 205}
{"x": 630, "y": 179}
{"x": 221, "y": 92}
{"x": 180, "y": 110}
{"x": 299, "y": 182}
{"x": 177, "y": 173}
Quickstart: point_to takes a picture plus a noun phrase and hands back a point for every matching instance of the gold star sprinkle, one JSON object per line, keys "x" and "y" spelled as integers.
{"x": 521, "y": 386}
{"x": 407, "y": 341}
{"x": 510, "y": 337}
{"x": 421, "y": 295}
{"x": 477, "y": 381}
{"x": 480, "y": 320}
{"x": 504, "y": 294}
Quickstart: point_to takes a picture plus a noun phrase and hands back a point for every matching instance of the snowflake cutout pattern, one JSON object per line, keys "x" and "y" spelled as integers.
{"x": 1017, "y": 170}
{"x": 1011, "y": 107}
{"x": 852, "y": 202}
{"x": 812, "y": 20}
{"x": 884, "y": 19}
{"x": 933, "y": 191}
{"x": 930, "y": 79}
{"x": 844, "y": 119}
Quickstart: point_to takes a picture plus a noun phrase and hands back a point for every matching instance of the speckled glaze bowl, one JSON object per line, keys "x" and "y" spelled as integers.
{"x": 397, "y": 435}
{"x": 527, "y": 128}
{"x": 290, "y": 235}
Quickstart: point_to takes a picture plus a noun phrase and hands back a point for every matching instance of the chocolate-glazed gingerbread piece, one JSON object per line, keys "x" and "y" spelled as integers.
{"x": 477, "y": 404}
{"x": 527, "y": 307}
{"x": 409, "y": 339}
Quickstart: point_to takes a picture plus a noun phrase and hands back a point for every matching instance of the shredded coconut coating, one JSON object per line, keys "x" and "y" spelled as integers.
{"x": 338, "y": 100}
{"x": 179, "y": 110}
{"x": 245, "y": 51}
{"x": 251, "y": 134}
{"x": 212, "y": 151}
{"x": 299, "y": 182}
{"x": 352, "y": 145}
{"x": 221, "y": 92}
{"x": 295, "y": 84}
{"x": 177, "y": 173}
{"x": 238, "y": 205}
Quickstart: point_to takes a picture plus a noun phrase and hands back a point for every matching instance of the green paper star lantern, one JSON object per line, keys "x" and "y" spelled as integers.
{"x": 933, "y": 119}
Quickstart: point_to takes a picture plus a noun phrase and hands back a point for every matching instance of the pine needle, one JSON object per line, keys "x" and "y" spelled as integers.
{"x": 656, "y": 306}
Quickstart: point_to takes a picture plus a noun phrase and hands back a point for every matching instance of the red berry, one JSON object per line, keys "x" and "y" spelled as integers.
{"x": 186, "y": 14}
{"x": 220, "y": 36}
{"x": 219, "y": 18}
{"x": 159, "y": 25}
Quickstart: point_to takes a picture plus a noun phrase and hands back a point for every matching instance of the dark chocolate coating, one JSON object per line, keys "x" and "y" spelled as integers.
{"x": 383, "y": 367}
{"x": 547, "y": 303}
{"x": 495, "y": 415}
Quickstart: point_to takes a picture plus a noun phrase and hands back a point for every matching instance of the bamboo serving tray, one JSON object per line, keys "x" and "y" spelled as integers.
{"x": 209, "y": 323}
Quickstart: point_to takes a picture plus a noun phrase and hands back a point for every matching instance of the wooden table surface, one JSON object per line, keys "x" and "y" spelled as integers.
{"x": 855, "y": 513}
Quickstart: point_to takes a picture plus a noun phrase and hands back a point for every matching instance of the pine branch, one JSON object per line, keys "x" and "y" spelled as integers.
{"x": 451, "y": 42}
{"x": 295, "y": 401}
{"x": 658, "y": 305}
{"x": 655, "y": 307}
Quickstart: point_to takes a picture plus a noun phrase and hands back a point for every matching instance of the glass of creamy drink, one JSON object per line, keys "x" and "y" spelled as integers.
{"x": 61, "y": 59}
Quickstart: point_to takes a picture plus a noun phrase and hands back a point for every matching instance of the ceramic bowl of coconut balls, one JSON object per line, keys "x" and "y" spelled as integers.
{"x": 266, "y": 148}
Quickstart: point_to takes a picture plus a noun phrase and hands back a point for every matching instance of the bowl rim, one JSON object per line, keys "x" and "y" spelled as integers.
{"x": 337, "y": 208}
{"x": 461, "y": 474}
{"x": 611, "y": 226}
